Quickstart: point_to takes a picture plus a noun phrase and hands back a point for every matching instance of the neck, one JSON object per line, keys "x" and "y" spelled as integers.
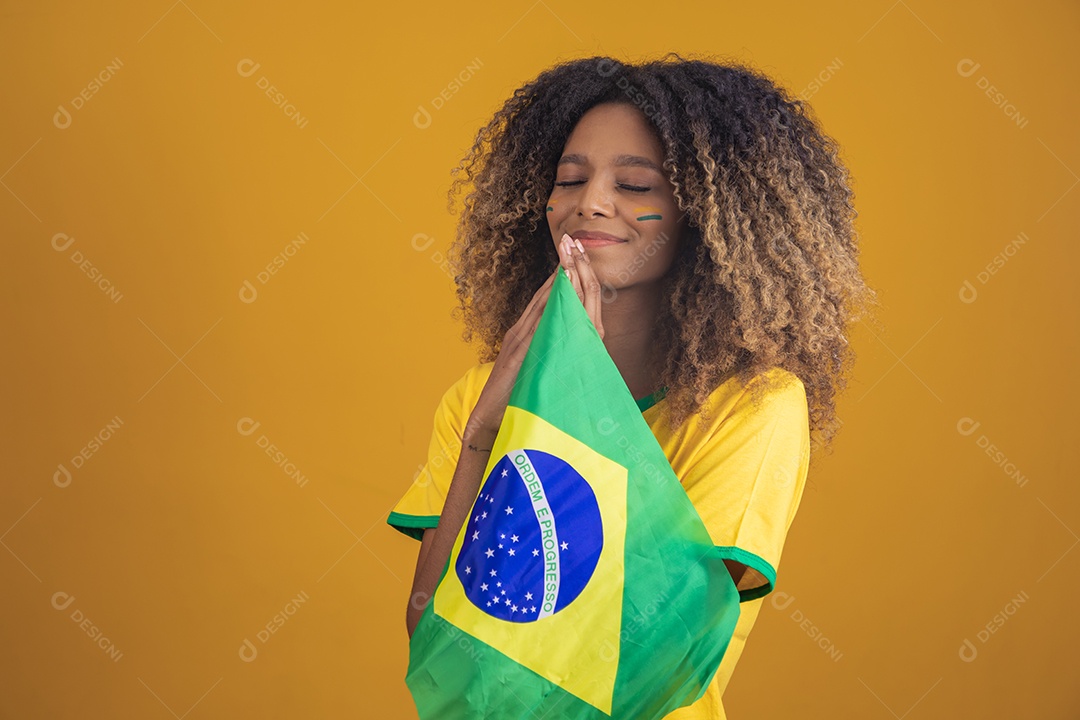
{"x": 629, "y": 335}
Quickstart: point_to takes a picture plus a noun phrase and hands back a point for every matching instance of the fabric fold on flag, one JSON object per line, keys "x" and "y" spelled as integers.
{"x": 583, "y": 583}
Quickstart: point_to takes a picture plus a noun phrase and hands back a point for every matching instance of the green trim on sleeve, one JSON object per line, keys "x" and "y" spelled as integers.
{"x": 730, "y": 552}
{"x": 412, "y": 525}
{"x": 648, "y": 401}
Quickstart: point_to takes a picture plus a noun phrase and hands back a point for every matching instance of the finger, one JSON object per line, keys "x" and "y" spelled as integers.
{"x": 540, "y": 290}
{"x": 591, "y": 286}
{"x": 590, "y": 290}
{"x": 541, "y": 298}
{"x": 536, "y": 296}
{"x": 567, "y": 251}
{"x": 526, "y": 324}
{"x": 529, "y": 322}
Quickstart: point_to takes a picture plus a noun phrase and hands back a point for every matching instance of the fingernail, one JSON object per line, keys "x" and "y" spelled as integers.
{"x": 579, "y": 247}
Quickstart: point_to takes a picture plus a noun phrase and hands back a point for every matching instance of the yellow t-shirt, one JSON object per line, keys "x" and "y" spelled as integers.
{"x": 744, "y": 471}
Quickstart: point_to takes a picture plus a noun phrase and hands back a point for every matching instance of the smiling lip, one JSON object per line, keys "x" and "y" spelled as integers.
{"x": 595, "y": 239}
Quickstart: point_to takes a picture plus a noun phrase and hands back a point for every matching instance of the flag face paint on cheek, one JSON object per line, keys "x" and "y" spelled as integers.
{"x": 647, "y": 212}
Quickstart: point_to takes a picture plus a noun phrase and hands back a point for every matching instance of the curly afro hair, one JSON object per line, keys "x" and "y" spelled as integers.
{"x": 767, "y": 274}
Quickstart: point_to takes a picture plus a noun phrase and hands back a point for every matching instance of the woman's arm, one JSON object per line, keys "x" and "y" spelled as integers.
{"x": 484, "y": 421}
{"x": 439, "y": 541}
{"x": 736, "y": 569}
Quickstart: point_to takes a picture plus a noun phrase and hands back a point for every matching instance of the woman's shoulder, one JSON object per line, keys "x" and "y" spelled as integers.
{"x": 771, "y": 381}
{"x": 467, "y": 388}
{"x": 478, "y": 374}
{"x": 778, "y": 380}
{"x": 776, "y": 389}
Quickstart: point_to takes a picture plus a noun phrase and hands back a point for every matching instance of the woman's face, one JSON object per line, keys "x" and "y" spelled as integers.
{"x": 609, "y": 180}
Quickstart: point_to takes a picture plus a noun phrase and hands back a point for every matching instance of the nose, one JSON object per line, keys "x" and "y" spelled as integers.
{"x": 595, "y": 199}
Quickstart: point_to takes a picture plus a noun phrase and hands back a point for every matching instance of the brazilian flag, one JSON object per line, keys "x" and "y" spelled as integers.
{"x": 583, "y": 583}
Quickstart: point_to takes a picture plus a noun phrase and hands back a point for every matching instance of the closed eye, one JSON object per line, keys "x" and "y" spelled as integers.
{"x": 631, "y": 188}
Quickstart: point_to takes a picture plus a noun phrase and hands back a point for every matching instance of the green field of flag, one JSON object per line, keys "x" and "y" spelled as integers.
{"x": 583, "y": 583}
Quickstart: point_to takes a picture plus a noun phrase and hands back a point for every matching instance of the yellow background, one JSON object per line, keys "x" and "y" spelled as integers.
{"x": 179, "y": 180}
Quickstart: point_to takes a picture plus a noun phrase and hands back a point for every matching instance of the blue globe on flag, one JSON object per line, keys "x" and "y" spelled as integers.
{"x": 532, "y": 539}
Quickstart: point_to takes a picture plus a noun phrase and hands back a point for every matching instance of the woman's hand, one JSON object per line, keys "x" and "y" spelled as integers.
{"x": 483, "y": 426}
{"x": 576, "y": 261}
{"x": 487, "y": 415}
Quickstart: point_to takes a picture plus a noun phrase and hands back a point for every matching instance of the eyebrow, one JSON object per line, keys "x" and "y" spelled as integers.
{"x": 620, "y": 161}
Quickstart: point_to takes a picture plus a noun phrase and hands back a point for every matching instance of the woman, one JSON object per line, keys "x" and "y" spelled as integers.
{"x": 706, "y": 223}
